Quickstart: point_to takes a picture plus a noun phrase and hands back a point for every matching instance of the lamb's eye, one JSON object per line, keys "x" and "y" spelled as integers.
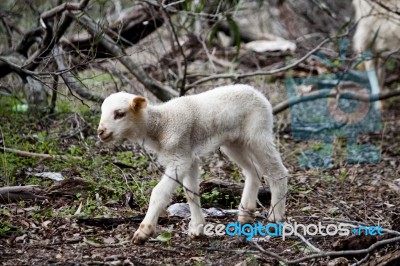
{"x": 118, "y": 115}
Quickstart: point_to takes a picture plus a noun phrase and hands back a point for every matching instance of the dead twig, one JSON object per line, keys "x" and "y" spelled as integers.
{"x": 159, "y": 90}
{"x": 174, "y": 33}
{"x": 63, "y": 7}
{"x": 18, "y": 193}
{"x": 40, "y": 155}
{"x": 51, "y": 38}
{"x": 302, "y": 238}
{"x": 70, "y": 81}
{"x": 115, "y": 71}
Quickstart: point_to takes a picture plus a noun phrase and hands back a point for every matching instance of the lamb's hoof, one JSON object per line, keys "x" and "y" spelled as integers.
{"x": 275, "y": 216}
{"x": 196, "y": 230}
{"x": 246, "y": 217}
{"x": 143, "y": 233}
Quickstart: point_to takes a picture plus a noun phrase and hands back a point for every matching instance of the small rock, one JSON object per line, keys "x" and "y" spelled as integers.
{"x": 50, "y": 175}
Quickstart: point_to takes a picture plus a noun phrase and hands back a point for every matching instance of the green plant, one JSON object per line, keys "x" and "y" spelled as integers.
{"x": 165, "y": 237}
{"x": 342, "y": 175}
{"x": 235, "y": 175}
{"x": 5, "y": 228}
{"x": 252, "y": 260}
{"x": 212, "y": 197}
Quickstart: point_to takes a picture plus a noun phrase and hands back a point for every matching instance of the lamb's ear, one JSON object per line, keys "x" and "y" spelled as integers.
{"x": 138, "y": 103}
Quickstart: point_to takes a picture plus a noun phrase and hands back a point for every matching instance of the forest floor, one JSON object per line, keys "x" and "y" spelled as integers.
{"x": 114, "y": 182}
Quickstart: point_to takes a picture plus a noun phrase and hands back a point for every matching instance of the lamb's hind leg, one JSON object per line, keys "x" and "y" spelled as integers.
{"x": 269, "y": 159}
{"x": 240, "y": 155}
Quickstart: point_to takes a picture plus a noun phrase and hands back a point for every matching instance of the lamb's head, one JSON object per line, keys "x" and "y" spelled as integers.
{"x": 122, "y": 116}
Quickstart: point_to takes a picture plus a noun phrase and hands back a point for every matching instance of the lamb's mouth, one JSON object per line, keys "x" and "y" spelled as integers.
{"x": 106, "y": 138}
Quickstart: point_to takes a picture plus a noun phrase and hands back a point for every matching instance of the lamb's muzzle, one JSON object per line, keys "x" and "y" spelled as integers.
{"x": 102, "y": 136}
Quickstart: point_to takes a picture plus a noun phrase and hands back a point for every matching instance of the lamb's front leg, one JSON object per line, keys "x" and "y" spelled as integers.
{"x": 191, "y": 184}
{"x": 160, "y": 197}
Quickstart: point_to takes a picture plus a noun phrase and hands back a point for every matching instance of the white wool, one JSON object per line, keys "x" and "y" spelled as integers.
{"x": 236, "y": 118}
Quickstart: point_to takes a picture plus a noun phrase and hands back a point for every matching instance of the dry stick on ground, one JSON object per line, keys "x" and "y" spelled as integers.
{"x": 311, "y": 246}
{"x": 40, "y": 155}
{"x": 333, "y": 94}
{"x": 18, "y": 193}
{"x": 328, "y": 253}
{"x": 159, "y": 90}
{"x": 69, "y": 80}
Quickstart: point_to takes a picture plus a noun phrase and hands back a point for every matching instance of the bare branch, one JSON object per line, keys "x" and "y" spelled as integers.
{"x": 131, "y": 26}
{"x": 161, "y": 92}
{"x": 259, "y": 73}
{"x": 69, "y": 80}
{"x": 54, "y": 94}
{"x": 21, "y": 71}
{"x": 328, "y": 93}
{"x": 50, "y": 38}
{"x": 63, "y": 7}
{"x": 183, "y": 78}
{"x": 8, "y": 31}
{"x": 124, "y": 79}
{"x": 29, "y": 38}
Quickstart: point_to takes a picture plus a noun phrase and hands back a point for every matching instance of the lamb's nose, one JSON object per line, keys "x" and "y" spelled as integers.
{"x": 100, "y": 131}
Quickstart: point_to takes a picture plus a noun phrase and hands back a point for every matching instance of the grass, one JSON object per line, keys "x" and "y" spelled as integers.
{"x": 71, "y": 131}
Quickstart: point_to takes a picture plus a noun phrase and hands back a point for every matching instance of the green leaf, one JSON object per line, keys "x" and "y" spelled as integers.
{"x": 164, "y": 237}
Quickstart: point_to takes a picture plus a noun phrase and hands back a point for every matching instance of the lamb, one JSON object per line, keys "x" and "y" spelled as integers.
{"x": 236, "y": 118}
{"x": 378, "y": 29}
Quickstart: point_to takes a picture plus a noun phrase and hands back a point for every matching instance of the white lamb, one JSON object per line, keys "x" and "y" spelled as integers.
{"x": 236, "y": 118}
{"x": 378, "y": 30}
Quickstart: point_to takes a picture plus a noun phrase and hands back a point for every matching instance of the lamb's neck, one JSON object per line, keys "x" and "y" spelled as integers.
{"x": 153, "y": 136}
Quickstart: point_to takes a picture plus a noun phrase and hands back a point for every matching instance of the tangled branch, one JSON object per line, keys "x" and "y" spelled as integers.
{"x": 161, "y": 92}
{"x": 328, "y": 253}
